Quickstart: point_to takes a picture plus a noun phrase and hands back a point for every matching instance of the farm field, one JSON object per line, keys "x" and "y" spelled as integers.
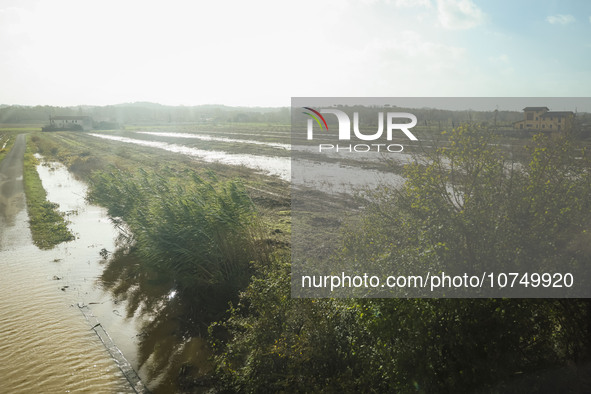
{"x": 185, "y": 234}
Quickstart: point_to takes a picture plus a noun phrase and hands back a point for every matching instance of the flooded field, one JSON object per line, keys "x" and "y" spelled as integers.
{"x": 332, "y": 176}
{"x": 46, "y": 294}
{"x": 277, "y": 166}
{"x": 197, "y": 241}
{"x": 47, "y": 345}
{"x": 206, "y": 137}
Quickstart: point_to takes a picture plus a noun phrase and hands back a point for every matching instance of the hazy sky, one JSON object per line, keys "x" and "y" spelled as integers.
{"x": 260, "y": 53}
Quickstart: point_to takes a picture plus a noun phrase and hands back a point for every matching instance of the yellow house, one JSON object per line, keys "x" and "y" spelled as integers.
{"x": 542, "y": 119}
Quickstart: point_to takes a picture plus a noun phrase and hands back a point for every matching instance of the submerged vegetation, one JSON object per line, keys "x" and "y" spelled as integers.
{"x": 47, "y": 223}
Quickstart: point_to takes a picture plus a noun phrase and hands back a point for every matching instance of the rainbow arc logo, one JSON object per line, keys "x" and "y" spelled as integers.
{"x": 315, "y": 115}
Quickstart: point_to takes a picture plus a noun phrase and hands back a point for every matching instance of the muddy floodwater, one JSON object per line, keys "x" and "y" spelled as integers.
{"x": 46, "y": 344}
{"x": 328, "y": 177}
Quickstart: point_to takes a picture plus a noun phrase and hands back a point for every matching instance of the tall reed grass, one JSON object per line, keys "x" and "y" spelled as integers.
{"x": 201, "y": 233}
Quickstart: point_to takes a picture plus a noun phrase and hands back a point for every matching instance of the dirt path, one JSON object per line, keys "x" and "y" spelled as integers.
{"x": 11, "y": 181}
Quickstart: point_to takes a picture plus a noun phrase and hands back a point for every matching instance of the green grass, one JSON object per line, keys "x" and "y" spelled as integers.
{"x": 6, "y": 142}
{"x": 48, "y": 225}
{"x": 6, "y": 149}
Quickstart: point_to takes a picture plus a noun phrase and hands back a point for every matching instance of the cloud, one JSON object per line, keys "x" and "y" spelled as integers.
{"x": 410, "y": 64}
{"x": 459, "y": 14}
{"x": 412, "y": 3}
{"x": 560, "y": 19}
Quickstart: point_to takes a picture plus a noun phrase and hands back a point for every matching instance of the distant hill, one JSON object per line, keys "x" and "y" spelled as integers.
{"x": 147, "y": 104}
{"x": 154, "y": 113}
{"x": 146, "y": 112}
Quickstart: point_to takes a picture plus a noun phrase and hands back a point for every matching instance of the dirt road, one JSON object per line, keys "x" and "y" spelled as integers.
{"x": 11, "y": 182}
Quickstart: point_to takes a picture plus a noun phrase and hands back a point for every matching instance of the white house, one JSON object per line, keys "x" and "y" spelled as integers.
{"x": 70, "y": 122}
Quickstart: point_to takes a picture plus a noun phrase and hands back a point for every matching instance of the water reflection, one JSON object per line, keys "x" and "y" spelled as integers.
{"x": 171, "y": 350}
{"x": 277, "y": 166}
{"x": 331, "y": 178}
{"x": 206, "y": 137}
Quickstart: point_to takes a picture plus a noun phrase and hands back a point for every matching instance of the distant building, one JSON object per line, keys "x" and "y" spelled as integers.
{"x": 542, "y": 119}
{"x": 71, "y": 122}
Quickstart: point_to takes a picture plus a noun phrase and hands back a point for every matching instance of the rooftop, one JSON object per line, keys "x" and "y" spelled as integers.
{"x": 70, "y": 117}
{"x": 536, "y": 109}
{"x": 557, "y": 113}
